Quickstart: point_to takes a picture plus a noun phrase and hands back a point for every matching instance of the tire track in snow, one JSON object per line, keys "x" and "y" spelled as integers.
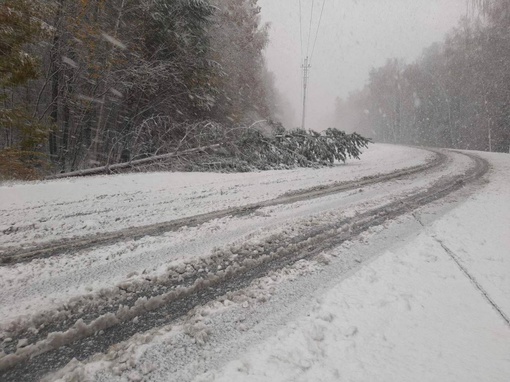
{"x": 10, "y": 255}
{"x": 250, "y": 264}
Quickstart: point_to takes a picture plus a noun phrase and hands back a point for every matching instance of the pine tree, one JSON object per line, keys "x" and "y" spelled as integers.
{"x": 22, "y": 135}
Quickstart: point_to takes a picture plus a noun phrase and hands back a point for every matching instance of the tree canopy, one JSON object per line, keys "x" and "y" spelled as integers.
{"x": 93, "y": 82}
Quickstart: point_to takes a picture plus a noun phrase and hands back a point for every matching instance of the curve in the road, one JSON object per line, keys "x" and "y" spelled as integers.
{"x": 12, "y": 256}
{"x": 169, "y": 304}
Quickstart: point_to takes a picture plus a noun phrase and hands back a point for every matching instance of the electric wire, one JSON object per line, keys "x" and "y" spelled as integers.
{"x": 301, "y": 29}
{"x": 310, "y": 29}
{"x": 308, "y": 60}
{"x": 318, "y": 29}
{"x": 301, "y": 39}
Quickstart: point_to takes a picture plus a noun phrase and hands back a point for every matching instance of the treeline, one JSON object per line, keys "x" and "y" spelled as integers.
{"x": 89, "y": 83}
{"x": 457, "y": 95}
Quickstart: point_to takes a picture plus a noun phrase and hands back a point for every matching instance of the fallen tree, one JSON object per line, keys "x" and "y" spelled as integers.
{"x": 253, "y": 149}
{"x": 190, "y": 148}
{"x": 130, "y": 164}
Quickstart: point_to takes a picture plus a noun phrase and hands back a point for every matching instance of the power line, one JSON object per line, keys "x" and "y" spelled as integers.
{"x": 301, "y": 29}
{"x": 301, "y": 39}
{"x": 308, "y": 59}
{"x": 310, "y": 29}
{"x": 318, "y": 28}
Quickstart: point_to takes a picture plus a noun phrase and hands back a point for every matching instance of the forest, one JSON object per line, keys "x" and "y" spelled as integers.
{"x": 100, "y": 83}
{"x": 90, "y": 84}
{"x": 456, "y": 95}
{"x": 93, "y": 82}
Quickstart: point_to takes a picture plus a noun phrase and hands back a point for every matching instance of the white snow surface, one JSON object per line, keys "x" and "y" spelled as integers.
{"x": 36, "y": 212}
{"x": 409, "y": 316}
{"x": 42, "y": 284}
{"x": 412, "y": 314}
{"x": 433, "y": 306}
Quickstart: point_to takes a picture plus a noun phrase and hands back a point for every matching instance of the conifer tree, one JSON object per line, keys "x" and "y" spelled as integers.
{"x": 21, "y": 134}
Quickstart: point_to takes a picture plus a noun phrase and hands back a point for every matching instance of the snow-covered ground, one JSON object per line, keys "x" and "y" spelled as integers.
{"x": 432, "y": 305}
{"x": 42, "y": 284}
{"x": 411, "y": 315}
{"x": 417, "y": 313}
{"x": 427, "y": 299}
{"x": 36, "y": 212}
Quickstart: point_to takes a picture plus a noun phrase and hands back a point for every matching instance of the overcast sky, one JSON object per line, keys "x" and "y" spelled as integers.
{"x": 355, "y": 36}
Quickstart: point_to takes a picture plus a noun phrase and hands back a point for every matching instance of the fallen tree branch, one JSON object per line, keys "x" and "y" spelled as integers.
{"x": 138, "y": 162}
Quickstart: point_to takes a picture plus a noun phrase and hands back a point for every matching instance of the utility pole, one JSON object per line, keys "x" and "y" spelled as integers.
{"x": 306, "y": 70}
{"x": 490, "y": 136}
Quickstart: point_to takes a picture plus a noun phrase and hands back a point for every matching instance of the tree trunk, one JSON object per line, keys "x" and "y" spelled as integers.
{"x": 55, "y": 83}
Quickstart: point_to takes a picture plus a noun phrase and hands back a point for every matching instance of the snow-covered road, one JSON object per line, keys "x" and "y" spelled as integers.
{"x": 48, "y": 283}
{"x": 435, "y": 307}
{"x": 436, "y": 275}
{"x": 39, "y": 212}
